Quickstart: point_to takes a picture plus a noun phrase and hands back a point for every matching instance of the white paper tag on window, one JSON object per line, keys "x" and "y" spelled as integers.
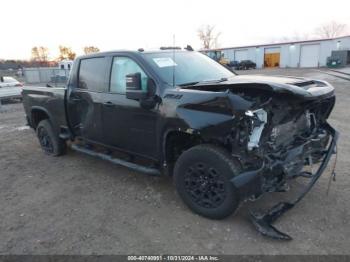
{"x": 164, "y": 61}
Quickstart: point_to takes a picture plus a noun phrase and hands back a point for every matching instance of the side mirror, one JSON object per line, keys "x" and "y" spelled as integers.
{"x": 133, "y": 87}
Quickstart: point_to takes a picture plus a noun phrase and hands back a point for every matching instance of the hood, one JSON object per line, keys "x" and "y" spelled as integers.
{"x": 307, "y": 88}
{"x": 270, "y": 79}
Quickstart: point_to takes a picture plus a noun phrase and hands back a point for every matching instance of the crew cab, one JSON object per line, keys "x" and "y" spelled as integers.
{"x": 224, "y": 138}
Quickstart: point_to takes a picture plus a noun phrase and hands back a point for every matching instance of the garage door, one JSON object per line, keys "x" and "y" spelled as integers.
{"x": 241, "y": 55}
{"x": 272, "y": 57}
{"x": 309, "y": 55}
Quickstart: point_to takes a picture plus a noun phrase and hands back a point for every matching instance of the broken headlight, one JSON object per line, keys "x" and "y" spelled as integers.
{"x": 258, "y": 120}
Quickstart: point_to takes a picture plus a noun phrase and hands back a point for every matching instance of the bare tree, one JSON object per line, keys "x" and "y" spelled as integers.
{"x": 295, "y": 37}
{"x": 66, "y": 53}
{"x": 44, "y": 53}
{"x": 35, "y": 53}
{"x": 40, "y": 54}
{"x": 331, "y": 30}
{"x": 208, "y": 36}
{"x": 91, "y": 49}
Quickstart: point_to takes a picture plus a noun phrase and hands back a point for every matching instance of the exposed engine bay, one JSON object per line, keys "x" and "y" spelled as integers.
{"x": 282, "y": 137}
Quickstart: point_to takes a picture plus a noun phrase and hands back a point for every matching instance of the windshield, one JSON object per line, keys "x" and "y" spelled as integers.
{"x": 187, "y": 67}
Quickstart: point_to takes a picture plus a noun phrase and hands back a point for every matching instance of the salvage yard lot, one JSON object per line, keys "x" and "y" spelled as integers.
{"x": 78, "y": 204}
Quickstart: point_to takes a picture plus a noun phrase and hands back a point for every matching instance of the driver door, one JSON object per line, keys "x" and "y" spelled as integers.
{"x": 126, "y": 125}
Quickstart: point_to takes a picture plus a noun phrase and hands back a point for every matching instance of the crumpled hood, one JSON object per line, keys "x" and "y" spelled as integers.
{"x": 307, "y": 88}
{"x": 270, "y": 79}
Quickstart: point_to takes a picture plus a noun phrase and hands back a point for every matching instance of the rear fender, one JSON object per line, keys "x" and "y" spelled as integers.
{"x": 34, "y": 123}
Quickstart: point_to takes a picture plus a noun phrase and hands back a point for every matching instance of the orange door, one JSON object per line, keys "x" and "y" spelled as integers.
{"x": 272, "y": 60}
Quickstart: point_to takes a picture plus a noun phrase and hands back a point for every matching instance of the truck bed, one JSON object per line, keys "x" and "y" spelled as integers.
{"x": 50, "y": 100}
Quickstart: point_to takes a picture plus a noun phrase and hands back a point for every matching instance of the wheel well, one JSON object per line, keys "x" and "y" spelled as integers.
{"x": 37, "y": 116}
{"x": 176, "y": 143}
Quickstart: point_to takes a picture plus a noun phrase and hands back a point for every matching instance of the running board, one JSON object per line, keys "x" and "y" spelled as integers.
{"x": 136, "y": 167}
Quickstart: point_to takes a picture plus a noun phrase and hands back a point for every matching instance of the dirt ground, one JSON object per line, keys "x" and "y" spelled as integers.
{"x": 78, "y": 204}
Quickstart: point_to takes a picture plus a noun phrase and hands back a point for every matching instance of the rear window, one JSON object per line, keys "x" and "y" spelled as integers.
{"x": 92, "y": 74}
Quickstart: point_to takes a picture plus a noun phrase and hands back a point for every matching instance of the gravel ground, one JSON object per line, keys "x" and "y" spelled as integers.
{"x": 77, "y": 204}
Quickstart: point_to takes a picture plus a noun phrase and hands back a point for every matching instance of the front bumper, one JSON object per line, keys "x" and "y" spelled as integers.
{"x": 249, "y": 183}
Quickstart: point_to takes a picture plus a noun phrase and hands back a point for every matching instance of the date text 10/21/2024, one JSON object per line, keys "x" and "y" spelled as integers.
{"x": 173, "y": 258}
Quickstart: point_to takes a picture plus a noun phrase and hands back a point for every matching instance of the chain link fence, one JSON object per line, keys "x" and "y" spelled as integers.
{"x": 46, "y": 75}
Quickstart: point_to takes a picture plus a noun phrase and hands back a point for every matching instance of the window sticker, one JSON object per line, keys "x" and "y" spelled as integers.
{"x": 164, "y": 62}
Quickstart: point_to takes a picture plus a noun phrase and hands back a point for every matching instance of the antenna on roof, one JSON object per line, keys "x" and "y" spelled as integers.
{"x": 174, "y": 61}
{"x": 189, "y": 48}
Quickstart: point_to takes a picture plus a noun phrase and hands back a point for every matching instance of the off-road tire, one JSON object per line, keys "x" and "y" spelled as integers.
{"x": 49, "y": 140}
{"x": 187, "y": 175}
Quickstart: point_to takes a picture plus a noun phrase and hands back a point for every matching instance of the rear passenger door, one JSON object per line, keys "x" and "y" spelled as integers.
{"x": 85, "y": 98}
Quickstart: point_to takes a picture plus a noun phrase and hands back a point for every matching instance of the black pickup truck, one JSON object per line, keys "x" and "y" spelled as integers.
{"x": 224, "y": 138}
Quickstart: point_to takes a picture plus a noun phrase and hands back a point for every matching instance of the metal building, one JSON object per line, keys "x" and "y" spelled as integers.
{"x": 309, "y": 53}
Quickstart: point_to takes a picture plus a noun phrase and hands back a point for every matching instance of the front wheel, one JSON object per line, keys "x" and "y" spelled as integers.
{"x": 202, "y": 178}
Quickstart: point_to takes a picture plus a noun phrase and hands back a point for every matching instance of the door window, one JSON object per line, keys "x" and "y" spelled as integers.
{"x": 123, "y": 66}
{"x": 92, "y": 74}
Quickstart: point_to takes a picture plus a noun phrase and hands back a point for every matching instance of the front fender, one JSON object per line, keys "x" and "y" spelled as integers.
{"x": 212, "y": 114}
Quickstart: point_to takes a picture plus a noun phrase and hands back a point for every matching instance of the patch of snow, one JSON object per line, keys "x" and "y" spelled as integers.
{"x": 20, "y": 128}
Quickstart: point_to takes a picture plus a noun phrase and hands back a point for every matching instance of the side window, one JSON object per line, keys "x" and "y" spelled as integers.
{"x": 92, "y": 74}
{"x": 121, "y": 67}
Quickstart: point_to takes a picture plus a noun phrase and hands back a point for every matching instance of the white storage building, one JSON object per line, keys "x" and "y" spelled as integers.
{"x": 309, "y": 53}
{"x": 65, "y": 64}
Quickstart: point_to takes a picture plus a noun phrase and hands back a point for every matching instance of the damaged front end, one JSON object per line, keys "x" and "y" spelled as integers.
{"x": 283, "y": 136}
{"x": 275, "y": 130}
{"x": 273, "y": 175}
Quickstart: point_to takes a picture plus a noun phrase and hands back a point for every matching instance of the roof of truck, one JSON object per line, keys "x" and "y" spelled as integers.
{"x": 139, "y": 51}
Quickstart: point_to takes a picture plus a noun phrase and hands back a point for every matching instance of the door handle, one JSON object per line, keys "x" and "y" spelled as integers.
{"x": 109, "y": 103}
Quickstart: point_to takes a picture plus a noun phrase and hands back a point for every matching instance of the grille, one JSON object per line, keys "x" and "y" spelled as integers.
{"x": 285, "y": 134}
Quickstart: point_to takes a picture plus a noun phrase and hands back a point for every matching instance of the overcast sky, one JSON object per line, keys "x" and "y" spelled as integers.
{"x": 131, "y": 24}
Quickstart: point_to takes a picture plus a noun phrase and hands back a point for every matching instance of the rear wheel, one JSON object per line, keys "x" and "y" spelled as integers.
{"x": 202, "y": 177}
{"x": 49, "y": 140}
